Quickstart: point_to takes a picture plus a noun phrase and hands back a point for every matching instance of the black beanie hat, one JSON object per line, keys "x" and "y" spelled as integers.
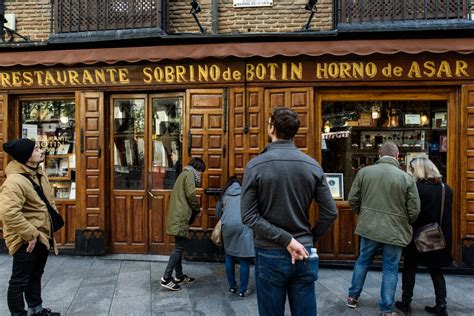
{"x": 20, "y": 149}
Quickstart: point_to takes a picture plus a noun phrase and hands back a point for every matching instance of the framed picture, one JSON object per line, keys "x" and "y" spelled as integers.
{"x": 57, "y": 167}
{"x": 440, "y": 120}
{"x": 412, "y": 155}
{"x": 336, "y": 185}
{"x": 412, "y": 119}
{"x": 443, "y": 143}
{"x": 62, "y": 149}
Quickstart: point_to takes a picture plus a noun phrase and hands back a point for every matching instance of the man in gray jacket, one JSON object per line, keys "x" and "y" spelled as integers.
{"x": 279, "y": 186}
{"x": 387, "y": 201}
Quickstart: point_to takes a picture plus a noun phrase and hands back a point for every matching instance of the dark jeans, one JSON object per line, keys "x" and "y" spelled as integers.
{"x": 175, "y": 262}
{"x": 26, "y": 278}
{"x": 244, "y": 271}
{"x": 276, "y": 276}
{"x": 408, "y": 283}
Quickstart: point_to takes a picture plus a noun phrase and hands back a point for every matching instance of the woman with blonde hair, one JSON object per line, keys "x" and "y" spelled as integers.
{"x": 430, "y": 188}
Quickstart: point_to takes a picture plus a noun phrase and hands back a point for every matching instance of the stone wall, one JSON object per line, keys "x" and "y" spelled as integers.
{"x": 32, "y": 18}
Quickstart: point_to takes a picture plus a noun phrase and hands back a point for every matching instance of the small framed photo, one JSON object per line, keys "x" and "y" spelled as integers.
{"x": 62, "y": 149}
{"x": 336, "y": 185}
{"x": 412, "y": 119}
{"x": 413, "y": 155}
{"x": 443, "y": 143}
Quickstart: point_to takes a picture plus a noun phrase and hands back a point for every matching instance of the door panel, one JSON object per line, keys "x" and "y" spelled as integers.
{"x": 207, "y": 139}
{"x": 246, "y": 126}
{"x": 129, "y": 180}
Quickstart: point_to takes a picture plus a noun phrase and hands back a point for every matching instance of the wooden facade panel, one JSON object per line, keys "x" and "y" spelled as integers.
{"x": 92, "y": 182}
{"x": 215, "y": 141}
{"x": 206, "y": 101}
{"x": 346, "y": 227}
{"x": 92, "y": 163}
{"x": 92, "y": 124}
{"x": 92, "y": 220}
{"x": 470, "y": 206}
{"x": 470, "y": 228}
{"x": 470, "y": 120}
{"x": 137, "y": 215}
{"x": 470, "y": 185}
{"x": 215, "y": 121}
{"x": 254, "y": 97}
{"x": 119, "y": 219}
{"x": 254, "y": 119}
{"x": 92, "y": 105}
{"x": 196, "y": 121}
{"x": 254, "y": 141}
{"x": 277, "y": 99}
{"x": 239, "y": 120}
{"x": 92, "y": 201}
{"x": 197, "y": 141}
{"x": 299, "y": 99}
{"x": 157, "y": 227}
{"x": 92, "y": 143}
{"x": 470, "y": 142}
{"x": 470, "y": 163}
{"x": 66, "y": 237}
{"x": 238, "y": 141}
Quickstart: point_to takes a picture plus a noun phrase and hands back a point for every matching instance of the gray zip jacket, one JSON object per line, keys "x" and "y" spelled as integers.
{"x": 279, "y": 186}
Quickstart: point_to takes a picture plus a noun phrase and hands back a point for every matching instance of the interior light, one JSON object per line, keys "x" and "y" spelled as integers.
{"x": 64, "y": 119}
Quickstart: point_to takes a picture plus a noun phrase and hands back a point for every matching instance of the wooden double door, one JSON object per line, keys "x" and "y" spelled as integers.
{"x": 224, "y": 127}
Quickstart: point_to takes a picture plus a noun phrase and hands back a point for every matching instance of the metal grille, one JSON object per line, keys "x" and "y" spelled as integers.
{"x": 102, "y": 15}
{"x": 359, "y": 11}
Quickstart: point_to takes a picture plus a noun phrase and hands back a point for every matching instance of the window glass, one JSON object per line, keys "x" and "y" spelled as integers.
{"x": 52, "y": 124}
{"x": 166, "y": 141}
{"x": 353, "y": 132}
{"x": 129, "y": 143}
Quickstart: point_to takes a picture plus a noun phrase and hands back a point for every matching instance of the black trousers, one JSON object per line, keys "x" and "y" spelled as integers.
{"x": 26, "y": 276}
{"x": 175, "y": 262}
{"x": 408, "y": 283}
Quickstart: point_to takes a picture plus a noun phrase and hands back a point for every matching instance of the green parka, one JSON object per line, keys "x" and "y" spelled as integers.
{"x": 183, "y": 202}
{"x": 387, "y": 201}
{"x": 23, "y": 213}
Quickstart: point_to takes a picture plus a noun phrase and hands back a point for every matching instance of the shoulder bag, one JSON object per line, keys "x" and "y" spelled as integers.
{"x": 57, "y": 221}
{"x": 430, "y": 237}
{"x": 216, "y": 236}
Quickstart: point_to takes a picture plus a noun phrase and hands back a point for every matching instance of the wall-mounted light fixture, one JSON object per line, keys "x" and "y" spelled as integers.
{"x": 376, "y": 112}
{"x": 311, "y": 7}
{"x": 195, "y": 9}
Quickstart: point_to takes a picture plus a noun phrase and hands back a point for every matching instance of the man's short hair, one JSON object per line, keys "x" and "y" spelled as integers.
{"x": 286, "y": 123}
{"x": 198, "y": 164}
{"x": 388, "y": 149}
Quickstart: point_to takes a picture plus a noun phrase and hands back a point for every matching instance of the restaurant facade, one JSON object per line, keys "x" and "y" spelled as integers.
{"x": 118, "y": 124}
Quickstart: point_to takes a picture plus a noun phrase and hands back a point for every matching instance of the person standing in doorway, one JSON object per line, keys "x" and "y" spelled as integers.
{"x": 27, "y": 227}
{"x": 183, "y": 209}
{"x": 238, "y": 238}
{"x": 278, "y": 188}
{"x": 387, "y": 202}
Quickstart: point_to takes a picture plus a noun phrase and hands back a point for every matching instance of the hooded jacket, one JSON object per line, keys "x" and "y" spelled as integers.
{"x": 387, "y": 201}
{"x": 23, "y": 213}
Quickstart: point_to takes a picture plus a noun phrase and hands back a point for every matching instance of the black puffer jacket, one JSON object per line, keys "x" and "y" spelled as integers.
{"x": 430, "y": 196}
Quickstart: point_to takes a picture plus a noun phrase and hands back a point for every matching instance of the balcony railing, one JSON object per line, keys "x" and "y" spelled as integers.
{"x": 72, "y": 16}
{"x": 355, "y": 12}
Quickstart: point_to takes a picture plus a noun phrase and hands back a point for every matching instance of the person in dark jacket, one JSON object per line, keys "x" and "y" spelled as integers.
{"x": 429, "y": 187}
{"x": 182, "y": 211}
{"x": 238, "y": 238}
{"x": 279, "y": 186}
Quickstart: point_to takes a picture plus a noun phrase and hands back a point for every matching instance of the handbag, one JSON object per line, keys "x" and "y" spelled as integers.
{"x": 57, "y": 221}
{"x": 430, "y": 237}
{"x": 216, "y": 235}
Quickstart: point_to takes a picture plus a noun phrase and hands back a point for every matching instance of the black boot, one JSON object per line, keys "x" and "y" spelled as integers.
{"x": 46, "y": 312}
{"x": 403, "y": 306}
{"x": 437, "y": 309}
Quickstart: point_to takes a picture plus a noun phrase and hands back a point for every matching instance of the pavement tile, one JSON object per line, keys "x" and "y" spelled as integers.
{"x": 92, "y": 300}
{"x": 136, "y": 305}
{"x": 133, "y": 284}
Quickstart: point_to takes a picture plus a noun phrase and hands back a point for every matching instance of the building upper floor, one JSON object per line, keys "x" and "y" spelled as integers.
{"x": 66, "y": 21}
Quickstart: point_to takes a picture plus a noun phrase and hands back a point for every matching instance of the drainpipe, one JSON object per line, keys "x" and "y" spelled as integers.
{"x": 215, "y": 16}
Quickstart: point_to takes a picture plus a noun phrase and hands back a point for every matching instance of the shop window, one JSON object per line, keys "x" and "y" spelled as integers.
{"x": 52, "y": 124}
{"x": 166, "y": 141}
{"x": 353, "y": 132}
{"x": 129, "y": 143}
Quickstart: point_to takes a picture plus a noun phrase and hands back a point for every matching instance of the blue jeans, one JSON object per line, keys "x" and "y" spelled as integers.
{"x": 244, "y": 271}
{"x": 390, "y": 260}
{"x": 276, "y": 276}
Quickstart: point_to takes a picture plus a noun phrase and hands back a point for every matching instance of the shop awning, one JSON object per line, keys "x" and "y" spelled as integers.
{"x": 242, "y": 50}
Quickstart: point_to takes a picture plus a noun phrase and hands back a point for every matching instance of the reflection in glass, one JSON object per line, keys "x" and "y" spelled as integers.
{"x": 129, "y": 143}
{"x": 166, "y": 141}
{"x": 52, "y": 124}
{"x": 352, "y": 133}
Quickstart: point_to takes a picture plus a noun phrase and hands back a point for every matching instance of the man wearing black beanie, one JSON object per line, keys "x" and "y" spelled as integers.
{"x": 26, "y": 225}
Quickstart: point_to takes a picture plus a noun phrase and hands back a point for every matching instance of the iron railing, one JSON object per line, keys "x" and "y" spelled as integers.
{"x": 366, "y": 11}
{"x": 70, "y": 16}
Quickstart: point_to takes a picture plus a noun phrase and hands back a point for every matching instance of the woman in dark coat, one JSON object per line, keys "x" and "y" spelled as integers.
{"x": 430, "y": 190}
{"x": 238, "y": 238}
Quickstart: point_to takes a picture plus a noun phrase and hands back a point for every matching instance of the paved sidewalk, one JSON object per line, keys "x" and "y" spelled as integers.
{"x": 129, "y": 285}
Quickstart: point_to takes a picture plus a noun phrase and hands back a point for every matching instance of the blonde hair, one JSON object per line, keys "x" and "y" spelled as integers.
{"x": 424, "y": 169}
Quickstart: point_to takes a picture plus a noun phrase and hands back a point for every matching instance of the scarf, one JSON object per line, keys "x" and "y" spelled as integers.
{"x": 197, "y": 175}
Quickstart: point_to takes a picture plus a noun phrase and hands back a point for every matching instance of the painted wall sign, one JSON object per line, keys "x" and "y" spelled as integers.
{"x": 239, "y": 72}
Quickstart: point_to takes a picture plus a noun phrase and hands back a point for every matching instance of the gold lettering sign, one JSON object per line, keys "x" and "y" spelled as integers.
{"x": 307, "y": 70}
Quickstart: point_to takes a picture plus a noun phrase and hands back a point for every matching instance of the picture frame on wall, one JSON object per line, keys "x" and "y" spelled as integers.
{"x": 412, "y": 120}
{"x": 336, "y": 185}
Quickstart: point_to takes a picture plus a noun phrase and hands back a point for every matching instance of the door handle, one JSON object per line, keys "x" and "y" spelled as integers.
{"x": 189, "y": 143}
{"x": 99, "y": 151}
{"x": 82, "y": 140}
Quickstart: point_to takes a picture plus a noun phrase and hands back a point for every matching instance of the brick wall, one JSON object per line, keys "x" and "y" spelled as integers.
{"x": 32, "y": 17}
{"x": 283, "y": 16}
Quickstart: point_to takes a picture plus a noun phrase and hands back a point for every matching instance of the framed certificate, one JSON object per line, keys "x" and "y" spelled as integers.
{"x": 336, "y": 185}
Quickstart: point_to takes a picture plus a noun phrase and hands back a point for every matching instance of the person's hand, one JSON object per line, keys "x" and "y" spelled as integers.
{"x": 31, "y": 245}
{"x": 297, "y": 251}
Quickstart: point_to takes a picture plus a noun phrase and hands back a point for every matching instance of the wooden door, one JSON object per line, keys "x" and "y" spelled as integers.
{"x": 246, "y": 128}
{"x": 207, "y": 138}
{"x": 128, "y": 175}
{"x": 91, "y": 191}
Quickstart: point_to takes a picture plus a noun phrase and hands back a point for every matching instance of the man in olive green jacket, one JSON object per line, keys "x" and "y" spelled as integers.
{"x": 387, "y": 202}
{"x": 26, "y": 225}
{"x": 183, "y": 209}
